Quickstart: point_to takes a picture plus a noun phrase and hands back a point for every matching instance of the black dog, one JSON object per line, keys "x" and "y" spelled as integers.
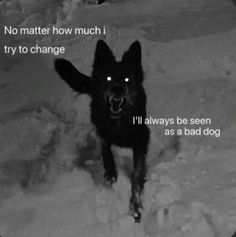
{"x": 117, "y": 96}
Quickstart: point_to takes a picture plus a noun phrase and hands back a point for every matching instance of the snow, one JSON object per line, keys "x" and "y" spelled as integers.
{"x": 47, "y": 140}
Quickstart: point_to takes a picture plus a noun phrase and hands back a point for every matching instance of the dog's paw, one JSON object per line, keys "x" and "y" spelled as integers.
{"x": 110, "y": 177}
{"x": 135, "y": 209}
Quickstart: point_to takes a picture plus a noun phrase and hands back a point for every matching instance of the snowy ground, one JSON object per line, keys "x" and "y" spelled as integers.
{"x": 48, "y": 144}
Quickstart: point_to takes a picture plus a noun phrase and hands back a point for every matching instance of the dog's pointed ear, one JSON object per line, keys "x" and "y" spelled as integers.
{"x": 133, "y": 58}
{"x": 133, "y": 55}
{"x": 103, "y": 54}
{"x": 75, "y": 79}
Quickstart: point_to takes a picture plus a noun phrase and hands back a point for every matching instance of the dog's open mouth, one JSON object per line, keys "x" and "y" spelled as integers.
{"x": 116, "y": 106}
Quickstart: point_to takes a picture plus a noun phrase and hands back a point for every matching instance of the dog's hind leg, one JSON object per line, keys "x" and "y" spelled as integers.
{"x": 138, "y": 180}
{"x": 139, "y": 174}
{"x": 110, "y": 174}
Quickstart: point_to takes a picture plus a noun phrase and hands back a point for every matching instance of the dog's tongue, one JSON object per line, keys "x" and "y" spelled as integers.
{"x": 116, "y": 105}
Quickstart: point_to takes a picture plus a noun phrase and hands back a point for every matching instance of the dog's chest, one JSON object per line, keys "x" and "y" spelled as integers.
{"x": 117, "y": 132}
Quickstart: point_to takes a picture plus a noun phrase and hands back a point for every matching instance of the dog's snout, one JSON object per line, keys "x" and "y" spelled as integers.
{"x": 117, "y": 90}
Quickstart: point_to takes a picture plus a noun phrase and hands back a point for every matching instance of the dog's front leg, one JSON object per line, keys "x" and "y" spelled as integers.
{"x": 110, "y": 174}
{"x": 138, "y": 180}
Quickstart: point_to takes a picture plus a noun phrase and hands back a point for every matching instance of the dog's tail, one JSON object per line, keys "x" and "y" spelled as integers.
{"x": 75, "y": 79}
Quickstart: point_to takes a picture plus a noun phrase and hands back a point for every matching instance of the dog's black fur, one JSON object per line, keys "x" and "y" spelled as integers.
{"x": 117, "y": 95}
{"x": 101, "y": 1}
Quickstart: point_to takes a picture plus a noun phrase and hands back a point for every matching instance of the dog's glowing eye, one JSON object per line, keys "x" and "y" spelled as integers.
{"x": 108, "y": 78}
{"x": 126, "y": 79}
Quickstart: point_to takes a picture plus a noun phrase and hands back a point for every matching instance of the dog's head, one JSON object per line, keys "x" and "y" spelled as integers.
{"x": 114, "y": 85}
{"x": 117, "y": 83}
